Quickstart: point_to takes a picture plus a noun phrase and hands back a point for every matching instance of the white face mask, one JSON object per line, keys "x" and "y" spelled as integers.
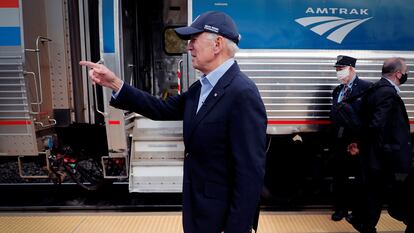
{"x": 342, "y": 75}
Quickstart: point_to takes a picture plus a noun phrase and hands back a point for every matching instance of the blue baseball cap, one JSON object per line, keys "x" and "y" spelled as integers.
{"x": 214, "y": 22}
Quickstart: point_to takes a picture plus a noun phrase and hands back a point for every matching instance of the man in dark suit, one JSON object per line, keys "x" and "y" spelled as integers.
{"x": 386, "y": 143}
{"x": 409, "y": 204}
{"x": 224, "y": 122}
{"x": 401, "y": 204}
{"x": 344, "y": 164}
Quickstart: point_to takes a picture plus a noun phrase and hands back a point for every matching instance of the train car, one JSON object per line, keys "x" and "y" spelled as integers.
{"x": 288, "y": 49}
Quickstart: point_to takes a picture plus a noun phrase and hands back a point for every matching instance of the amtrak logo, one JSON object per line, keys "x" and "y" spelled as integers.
{"x": 336, "y": 28}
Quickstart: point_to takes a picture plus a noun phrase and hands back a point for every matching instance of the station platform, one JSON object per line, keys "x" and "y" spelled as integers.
{"x": 170, "y": 222}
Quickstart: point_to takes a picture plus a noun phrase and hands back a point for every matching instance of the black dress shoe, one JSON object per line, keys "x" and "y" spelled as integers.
{"x": 339, "y": 215}
{"x": 356, "y": 223}
{"x": 410, "y": 228}
{"x": 350, "y": 218}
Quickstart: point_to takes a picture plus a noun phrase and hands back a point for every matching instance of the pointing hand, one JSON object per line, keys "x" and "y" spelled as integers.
{"x": 101, "y": 75}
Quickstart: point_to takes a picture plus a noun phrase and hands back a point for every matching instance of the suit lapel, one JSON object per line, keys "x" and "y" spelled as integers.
{"x": 213, "y": 97}
{"x": 195, "y": 100}
{"x": 336, "y": 94}
{"x": 354, "y": 89}
{"x": 193, "y": 97}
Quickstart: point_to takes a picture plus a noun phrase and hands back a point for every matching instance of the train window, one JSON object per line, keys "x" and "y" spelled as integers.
{"x": 173, "y": 45}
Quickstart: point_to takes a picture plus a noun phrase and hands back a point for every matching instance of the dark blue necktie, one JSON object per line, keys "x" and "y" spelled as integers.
{"x": 346, "y": 93}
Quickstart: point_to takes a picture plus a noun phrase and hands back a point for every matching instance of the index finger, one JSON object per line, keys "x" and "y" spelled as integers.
{"x": 89, "y": 64}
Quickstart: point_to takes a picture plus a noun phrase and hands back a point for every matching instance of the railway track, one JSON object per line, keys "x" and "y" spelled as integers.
{"x": 43, "y": 195}
{"x": 113, "y": 197}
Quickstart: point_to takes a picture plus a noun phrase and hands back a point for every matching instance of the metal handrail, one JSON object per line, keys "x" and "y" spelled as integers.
{"x": 103, "y": 113}
{"x": 53, "y": 122}
{"x": 131, "y": 79}
{"x": 40, "y": 100}
{"x": 37, "y": 94}
{"x": 179, "y": 75}
{"x": 37, "y": 51}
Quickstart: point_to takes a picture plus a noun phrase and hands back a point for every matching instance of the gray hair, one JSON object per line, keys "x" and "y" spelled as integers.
{"x": 231, "y": 46}
{"x": 392, "y": 65}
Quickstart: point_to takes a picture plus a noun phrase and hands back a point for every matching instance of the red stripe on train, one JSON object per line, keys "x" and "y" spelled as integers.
{"x": 15, "y": 122}
{"x": 9, "y": 4}
{"x": 114, "y": 122}
{"x": 304, "y": 122}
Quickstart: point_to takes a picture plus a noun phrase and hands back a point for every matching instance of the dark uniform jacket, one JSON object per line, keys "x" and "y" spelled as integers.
{"x": 386, "y": 135}
{"x": 224, "y": 149}
{"x": 341, "y": 133}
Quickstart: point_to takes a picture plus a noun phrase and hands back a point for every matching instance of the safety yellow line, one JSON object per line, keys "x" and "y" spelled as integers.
{"x": 170, "y": 222}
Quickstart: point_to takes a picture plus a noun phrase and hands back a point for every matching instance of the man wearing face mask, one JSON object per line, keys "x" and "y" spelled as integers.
{"x": 386, "y": 143}
{"x": 343, "y": 163}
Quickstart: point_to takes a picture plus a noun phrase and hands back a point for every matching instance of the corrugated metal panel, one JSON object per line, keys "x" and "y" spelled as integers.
{"x": 17, "y": 134}
{"x": 13, "y": 96}
{"x": 296, "y": 85}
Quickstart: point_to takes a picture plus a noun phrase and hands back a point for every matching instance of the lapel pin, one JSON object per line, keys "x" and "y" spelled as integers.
{"x": 215, "y": 94}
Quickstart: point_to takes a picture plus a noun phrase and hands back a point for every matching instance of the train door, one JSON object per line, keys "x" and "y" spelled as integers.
{"x": 138, "y": 44}
{"x": 41, "y": 91}
{"x": 110, "y": 52}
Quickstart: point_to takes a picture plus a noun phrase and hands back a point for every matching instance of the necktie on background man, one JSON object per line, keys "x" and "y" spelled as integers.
{"x": 346, "y": 93}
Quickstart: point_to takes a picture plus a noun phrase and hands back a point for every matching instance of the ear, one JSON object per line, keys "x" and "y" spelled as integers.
{"x": 396, "y": 74}
{"x": 219, "y": 44}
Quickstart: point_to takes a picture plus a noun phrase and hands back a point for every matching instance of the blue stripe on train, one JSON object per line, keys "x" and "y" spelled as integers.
{"x": 10, "y": 36}
{"x": 108, "y": 26}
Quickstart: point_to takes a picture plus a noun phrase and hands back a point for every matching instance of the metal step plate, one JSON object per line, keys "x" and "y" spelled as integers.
{"x": 148, "y": 150}
{"x": 146, "y": 129}
{"x": 156, "y": 179}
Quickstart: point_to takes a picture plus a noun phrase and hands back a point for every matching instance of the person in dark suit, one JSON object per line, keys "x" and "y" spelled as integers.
{"x": 224, "y": 121}
{"x": 386, "y": 143}
{"x": 345, "y": 165}
{"x": 401, "y": 204}
{"x": 409, "y": 204}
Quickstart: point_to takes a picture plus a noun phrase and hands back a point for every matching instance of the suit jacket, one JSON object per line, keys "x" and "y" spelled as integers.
{"x": 387, "y": 139}
{"x": 224, "y": 149}
{"x": 346, "y": 136}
